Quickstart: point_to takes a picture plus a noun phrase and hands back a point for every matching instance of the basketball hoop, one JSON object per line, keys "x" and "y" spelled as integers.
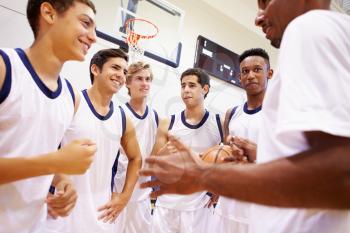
{"x": 134, "y": 37}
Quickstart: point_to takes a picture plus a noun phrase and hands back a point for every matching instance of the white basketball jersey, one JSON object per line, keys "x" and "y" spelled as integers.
{"x": 33, "y": 120}
{"x": 207, "y": 133}
{"x": 94, "y": 187}
{"x": 146, "y": 130}
{"x": 243, "y": 123}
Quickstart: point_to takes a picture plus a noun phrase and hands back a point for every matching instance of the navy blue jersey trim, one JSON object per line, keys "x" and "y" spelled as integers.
{"x": 93, "y": 110}
{"x": 70, "y": 88}
{"x": 156, "y": 117}
{"x": 52, "y": 189}
{"x": 123, "y": 119}
{"x": 218, "y": 121}
{"x": 5, "y": 90}
{"x": 50, "y": 94}
{"x": 172, "y": 120}
{"x": 114, "y": 170}
{"x": 183, "y": 119}
{"x": 135, "y": 113}
{"x": 231, "y": 114}
{"x": 250, "y": 112}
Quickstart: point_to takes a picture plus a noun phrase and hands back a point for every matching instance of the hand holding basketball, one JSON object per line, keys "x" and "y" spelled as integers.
{"x": 222, "y": 154}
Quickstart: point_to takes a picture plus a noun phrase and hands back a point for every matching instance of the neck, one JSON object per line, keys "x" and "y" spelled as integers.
{"x": 138, "y": 105}
{"x": 46, "y": 65}
{"x": 318, "y": 4}
{"x": 99, "y": 98}
{"x": 255, "y": 101}
{"x": 195, "y": 114}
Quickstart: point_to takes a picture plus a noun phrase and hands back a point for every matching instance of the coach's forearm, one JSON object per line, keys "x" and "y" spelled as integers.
{"x": 313, "y": 179}
{"x": 12, "y": 169}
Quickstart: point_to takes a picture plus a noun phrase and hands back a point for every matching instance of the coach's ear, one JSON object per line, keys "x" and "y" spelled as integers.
{"x": 270, "y": 74}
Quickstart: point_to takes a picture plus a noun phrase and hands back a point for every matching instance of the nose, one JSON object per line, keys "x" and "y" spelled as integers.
{"x": 92, "y": 35}
{"x": 251, "y": 75}
{"x": 144, "y": 82}
{"x": 186, "y": 88}
{"x": 259, "y": 19}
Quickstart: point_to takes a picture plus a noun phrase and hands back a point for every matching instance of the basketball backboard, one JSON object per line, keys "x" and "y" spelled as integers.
{"x": 165, "y": 47}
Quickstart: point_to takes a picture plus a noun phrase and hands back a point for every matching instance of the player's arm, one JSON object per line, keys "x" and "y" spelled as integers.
{"x": 225, "y": 125}
{"x": 131, "y": 147}
{"x": 316, "y": 178}
{"x": 74, "y": 158}
{"x": 161, "y": 137}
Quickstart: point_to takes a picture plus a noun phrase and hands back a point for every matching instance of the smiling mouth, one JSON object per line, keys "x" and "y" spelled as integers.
{"x": 116, "y": 82}
{"x": 86, "y": 46}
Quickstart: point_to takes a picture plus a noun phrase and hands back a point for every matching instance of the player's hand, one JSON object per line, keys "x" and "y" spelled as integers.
{"x": 63, "y": 201}
{"x": 75, "y": 157}
{"x": 111, "y": 210}
{"x": 213, "y": 200}
{"x": 249, "y": 148}
{"x": 176, "y": 173}
{"x": 167, "y": 149}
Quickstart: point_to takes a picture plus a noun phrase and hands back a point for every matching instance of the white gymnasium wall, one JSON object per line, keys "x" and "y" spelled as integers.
{"x": 200, "y": 19}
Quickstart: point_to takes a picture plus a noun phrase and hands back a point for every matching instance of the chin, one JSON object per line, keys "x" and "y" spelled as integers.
{"x": 276, "y": 43}
{"x": 77, "y": 57}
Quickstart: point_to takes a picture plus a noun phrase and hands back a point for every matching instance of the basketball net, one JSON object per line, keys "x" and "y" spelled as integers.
{"x": 146, "y": 30}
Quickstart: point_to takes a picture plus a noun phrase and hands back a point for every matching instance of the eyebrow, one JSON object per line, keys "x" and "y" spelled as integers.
{"x": 116, "y": 66}
{"x": 90, "y": 19}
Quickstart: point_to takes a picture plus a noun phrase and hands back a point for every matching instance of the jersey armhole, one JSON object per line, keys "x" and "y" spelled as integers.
{"x": 231, "y": 114}
{"x": 6, "y": 87}
{"x": 218, "y": 121}
{"x": 171, "y": 122}
{"x": 70, "y": 88}
{"x": 123, "y": 119}
{"x": 156, "y": 117}
{"x": 114, "y": 170}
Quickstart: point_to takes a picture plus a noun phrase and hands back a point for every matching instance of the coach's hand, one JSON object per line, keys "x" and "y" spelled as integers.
{"x": 75, "y": 157}
{"x": 113, "y": 208}
{"x": 176, "y": 173}
{"x": 63, "y": 201}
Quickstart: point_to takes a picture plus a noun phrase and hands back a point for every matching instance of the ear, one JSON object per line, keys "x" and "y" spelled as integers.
{"x": 239, "y": 78}
{"x": 48, "y": 13}
{"x": 128, "y": 81}
{"x": 270, "y": 74}
{"x": 206, "y": 89}
{"x": 94, "y": 70}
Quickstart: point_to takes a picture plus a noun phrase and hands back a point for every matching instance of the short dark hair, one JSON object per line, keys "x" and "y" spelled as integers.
{"x": 61, "y": 6}
{"x": 102, "y": 56}
{"x": 203, "y": 77}
{"x": 255, "y": 52}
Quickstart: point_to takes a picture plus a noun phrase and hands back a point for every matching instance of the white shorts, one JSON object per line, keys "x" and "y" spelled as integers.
{"x": 177, "y": 221}
{"x": 219, "y": 224}
{"x": 137, "y": 217}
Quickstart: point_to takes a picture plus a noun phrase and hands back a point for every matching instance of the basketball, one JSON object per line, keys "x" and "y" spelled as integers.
{"x": 217, "y": 154}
